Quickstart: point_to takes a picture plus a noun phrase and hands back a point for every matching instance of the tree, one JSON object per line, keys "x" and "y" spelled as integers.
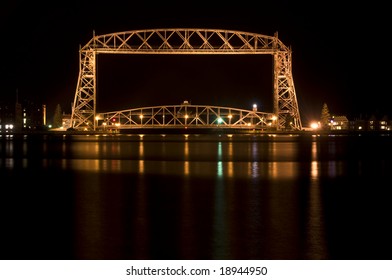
{"x": 58, "y": 117}
{"x": 325, "y": 117}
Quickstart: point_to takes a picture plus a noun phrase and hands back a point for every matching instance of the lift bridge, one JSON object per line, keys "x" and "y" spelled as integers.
{"x": 285, "y": 115}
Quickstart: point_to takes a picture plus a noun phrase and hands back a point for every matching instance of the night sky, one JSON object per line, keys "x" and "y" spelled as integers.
{"x": 340, "y": 54}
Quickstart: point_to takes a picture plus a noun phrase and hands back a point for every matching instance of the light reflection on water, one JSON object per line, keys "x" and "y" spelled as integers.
{"x": 251, "y": 159}
{"x": 315, "y": 227}
{"x": 200, "y": 196}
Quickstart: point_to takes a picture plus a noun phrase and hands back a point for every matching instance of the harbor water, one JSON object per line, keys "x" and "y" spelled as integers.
{"x": 196, "y": 196}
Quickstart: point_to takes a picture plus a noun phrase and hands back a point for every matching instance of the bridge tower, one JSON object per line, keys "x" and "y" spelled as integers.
{"x": 186, "y": 41}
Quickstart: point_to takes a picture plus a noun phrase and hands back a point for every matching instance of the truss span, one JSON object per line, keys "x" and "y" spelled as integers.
{"x": 185, "y": 116}
{"x": 186, "y": 41}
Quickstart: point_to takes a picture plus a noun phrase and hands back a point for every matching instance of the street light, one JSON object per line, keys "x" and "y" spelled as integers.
{"x": 230, "y": 116}
{"x": 97, "y": 118}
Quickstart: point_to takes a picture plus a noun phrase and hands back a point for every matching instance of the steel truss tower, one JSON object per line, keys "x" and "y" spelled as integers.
{"x": 186, "y": 41}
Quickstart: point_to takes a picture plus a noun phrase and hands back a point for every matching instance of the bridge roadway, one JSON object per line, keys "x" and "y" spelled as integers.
{"x": 185, "y": 116}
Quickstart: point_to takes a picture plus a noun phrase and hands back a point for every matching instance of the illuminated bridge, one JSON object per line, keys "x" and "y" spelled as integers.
{"x": 285, "y": 115}
{"x": 186, "y": 116}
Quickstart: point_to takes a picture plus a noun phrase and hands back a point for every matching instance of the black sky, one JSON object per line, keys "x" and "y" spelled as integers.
{"x": 340, "y": 54}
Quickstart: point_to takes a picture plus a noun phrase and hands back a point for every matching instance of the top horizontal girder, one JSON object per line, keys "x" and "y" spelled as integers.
{"x": 185, "y": 41}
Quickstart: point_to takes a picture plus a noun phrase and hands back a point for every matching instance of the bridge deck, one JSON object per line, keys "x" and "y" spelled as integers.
{"x": 185, "y": 116}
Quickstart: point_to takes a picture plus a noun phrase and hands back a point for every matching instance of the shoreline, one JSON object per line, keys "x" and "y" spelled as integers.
{"x": 201, "y": 132}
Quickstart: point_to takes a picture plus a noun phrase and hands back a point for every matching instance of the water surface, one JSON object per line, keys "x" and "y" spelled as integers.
{"x": 195, "y": 197}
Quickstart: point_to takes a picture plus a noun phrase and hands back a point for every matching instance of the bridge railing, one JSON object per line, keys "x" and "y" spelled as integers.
{"x": 185, "y": 116}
